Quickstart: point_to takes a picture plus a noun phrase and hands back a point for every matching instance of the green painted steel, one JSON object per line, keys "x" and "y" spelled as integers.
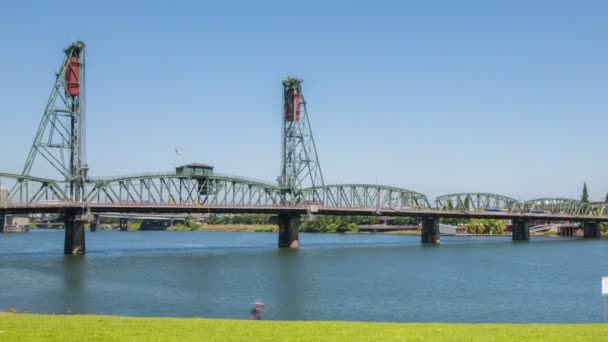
{"x": 300, "y": 165}
{"x": 59, "y": 139}
{"x": 477, "y": 201}
{"x": 379, "y": 197}
{"x": 566, "y": 206}
{"x": 172, "y": 188}
{"x": 22, "y": 189}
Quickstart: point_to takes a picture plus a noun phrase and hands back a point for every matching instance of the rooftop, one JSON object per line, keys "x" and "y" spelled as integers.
{"x": 195, "y": 165}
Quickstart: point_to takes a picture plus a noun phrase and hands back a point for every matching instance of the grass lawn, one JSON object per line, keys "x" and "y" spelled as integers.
{"x": 26, "y": 327}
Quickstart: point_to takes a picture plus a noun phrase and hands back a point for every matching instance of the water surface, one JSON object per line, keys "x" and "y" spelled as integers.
{"x": 367, "y": 277}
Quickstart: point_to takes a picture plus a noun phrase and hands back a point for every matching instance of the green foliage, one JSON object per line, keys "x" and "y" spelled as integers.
{"x": 188, "y": 225}
{"x": 134, "y": 224}
{"x": 352, "y": 227}
{"x": 239, "y": 219}
{"x": 450, "y": 205}
{"x": 467, "y": 203}
{"x": 454, "y": 221}
{"x": 585, "y": 195}
{"x": 399, "y": 221}
{"x": 485, "y": 226}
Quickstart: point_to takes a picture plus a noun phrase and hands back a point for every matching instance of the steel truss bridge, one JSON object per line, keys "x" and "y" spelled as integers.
{"x": 300, "y": 189}
{"x": 230, "y": 194}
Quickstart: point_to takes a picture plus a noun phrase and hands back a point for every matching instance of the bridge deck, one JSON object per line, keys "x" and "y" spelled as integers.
{"x": 298, "y": 209}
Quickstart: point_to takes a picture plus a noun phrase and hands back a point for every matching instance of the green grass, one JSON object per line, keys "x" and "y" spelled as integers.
{"x": 26, "y": 327}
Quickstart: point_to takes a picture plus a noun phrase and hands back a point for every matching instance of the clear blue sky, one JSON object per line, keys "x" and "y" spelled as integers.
{"x": 439, "y": 97}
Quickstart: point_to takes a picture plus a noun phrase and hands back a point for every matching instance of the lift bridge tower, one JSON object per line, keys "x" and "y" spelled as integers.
{"x": 59, "y": 139}
{"x": 300, "y": 167}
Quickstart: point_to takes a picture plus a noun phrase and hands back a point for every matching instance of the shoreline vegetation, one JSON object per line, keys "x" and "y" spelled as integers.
{"x": 327, "y": 224}
{"x": 340, "y": 224}
{"x": 37, "y": 327}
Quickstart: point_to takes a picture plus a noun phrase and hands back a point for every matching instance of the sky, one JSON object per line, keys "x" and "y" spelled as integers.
{"x": 438, "y": 97}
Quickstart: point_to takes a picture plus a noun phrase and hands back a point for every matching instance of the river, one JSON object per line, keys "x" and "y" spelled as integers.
{"x": 363, "y": 277}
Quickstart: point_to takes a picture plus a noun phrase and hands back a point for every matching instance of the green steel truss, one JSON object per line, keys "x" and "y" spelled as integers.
{"x": 170, "y": 188}
{"x": 300, "y": 165}
{"x": 564, "y": 206}
{"x": 20, "y": 189}
{"x": 477, "y": 202}
{"x": 235, "y": 192}
{"x": 353, "y": 196}
{"x": 59, "y": 139}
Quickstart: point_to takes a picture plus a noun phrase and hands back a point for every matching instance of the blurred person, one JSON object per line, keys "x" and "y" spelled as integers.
{"x": 256, "y": 311}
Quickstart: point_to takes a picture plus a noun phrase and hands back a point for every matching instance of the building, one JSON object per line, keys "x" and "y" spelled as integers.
{"x": 195, "y": 170}
{"x": 16, "y": 220}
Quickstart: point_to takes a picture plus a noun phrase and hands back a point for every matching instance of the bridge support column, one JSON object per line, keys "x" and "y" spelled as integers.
{"x": 521, "y": 230}
{"x": 95, "y": 223}
{"x": 74, "y": 234}
{"x": 124, "y": 224}
{"x": 1, "y": 223}
{"x": 289, "y": 224}
{"x": 591, "y": 230}
{"x": 430, "y": 230}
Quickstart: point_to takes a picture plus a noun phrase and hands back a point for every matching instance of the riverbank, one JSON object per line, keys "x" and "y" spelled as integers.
{"x": 239, "y": 228}
{"x": 31, "y": 327}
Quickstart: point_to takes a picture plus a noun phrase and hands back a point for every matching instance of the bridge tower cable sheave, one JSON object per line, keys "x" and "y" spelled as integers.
{"x": 300, "y": 167}
{"x": 59, "y": 139}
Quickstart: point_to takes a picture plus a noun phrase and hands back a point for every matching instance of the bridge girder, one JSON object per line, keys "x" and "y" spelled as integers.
{"x": 556, "y": 205}
{"x": 381, "y": 197}
{"x": 474, "y": 201}
{"x": 171, "y": 188}
{"x": 24, "y": 189}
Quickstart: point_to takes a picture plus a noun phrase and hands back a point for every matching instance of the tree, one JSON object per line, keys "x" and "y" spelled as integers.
{"x": 585, "y": 195}
{"x": 399, "y": 221}
{"x": 467, "y": 203}
{"x": 352, "y": 227}
{"x": 606, "y": 198}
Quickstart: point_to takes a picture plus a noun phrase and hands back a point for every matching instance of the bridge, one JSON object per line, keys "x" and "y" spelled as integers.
{"x": 300, "y": 189}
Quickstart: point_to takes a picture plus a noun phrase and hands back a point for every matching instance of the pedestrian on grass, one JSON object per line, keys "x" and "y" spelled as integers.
{"x": 256, "y": 311}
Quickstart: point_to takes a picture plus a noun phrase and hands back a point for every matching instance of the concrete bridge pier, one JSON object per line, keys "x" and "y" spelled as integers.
{"x": 74, "y": 234}
{"x": 521, "y": 230}
{"x": 430, "y": 230}
{"x": 289, "y": 224}
{"x": 1, "y": 223}
{"x": 95, "y": 223}
{"x": 124, "y": 224}
{"x": 591, "y": 230}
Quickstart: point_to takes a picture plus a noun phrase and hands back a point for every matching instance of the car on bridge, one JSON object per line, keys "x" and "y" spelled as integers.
{"x": 536, "y": 211}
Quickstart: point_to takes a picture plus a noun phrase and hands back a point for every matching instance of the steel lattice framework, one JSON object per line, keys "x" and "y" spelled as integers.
{"x": 365, "y": 196}
{"x": 477, "y": 202}
{"x": 300, "y": 165}
{"x": 564, "y": 206}
{"x": 59, "y": 139}
{"x": 171, "y": 188}
{"x": 20, "y": 189}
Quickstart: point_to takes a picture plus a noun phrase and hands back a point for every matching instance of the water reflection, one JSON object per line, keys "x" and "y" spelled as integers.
{"x": 74, "y": 294}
